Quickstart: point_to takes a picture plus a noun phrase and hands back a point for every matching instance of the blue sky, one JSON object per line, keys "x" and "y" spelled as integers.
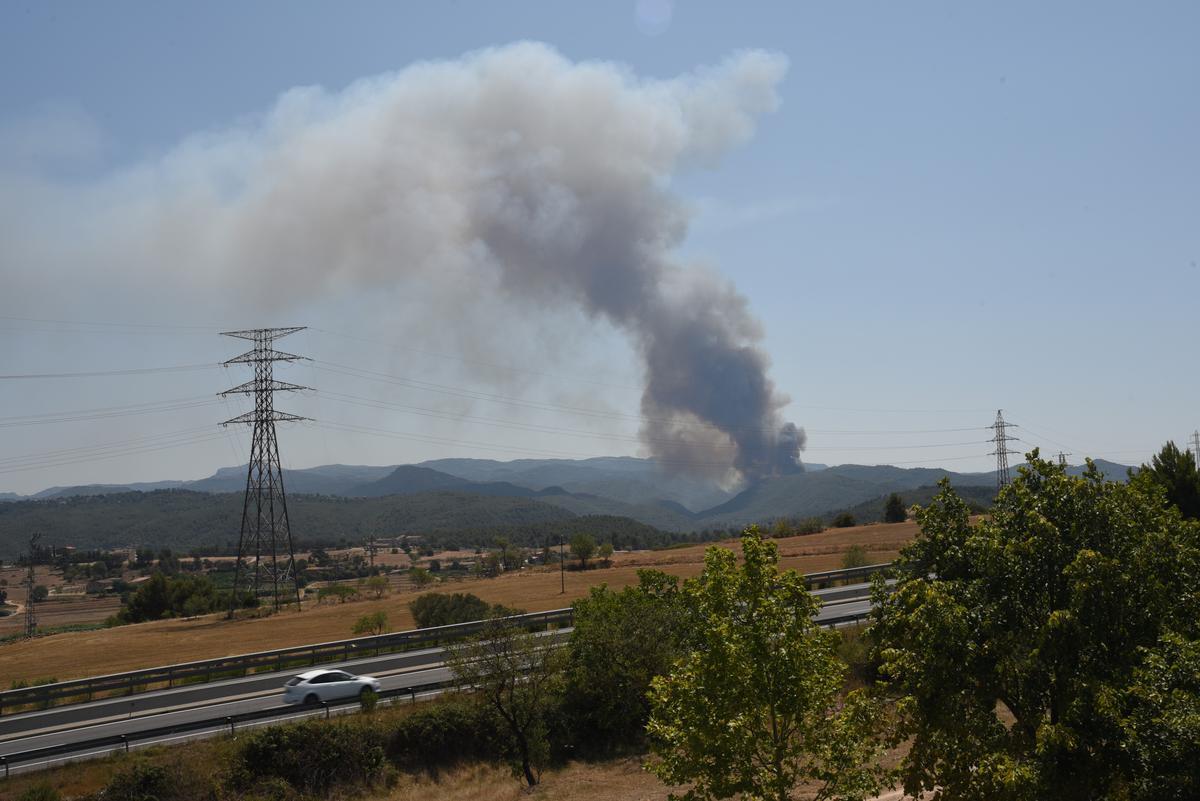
{"x": 956, "y": 207}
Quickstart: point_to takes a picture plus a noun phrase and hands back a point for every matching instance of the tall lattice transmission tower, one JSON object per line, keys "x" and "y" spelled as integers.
{"x": 265, "y": 551}
{"x": 1001, "y": 439}
{"x": 1195, "y": 443}
{"x": 30, "y": 584}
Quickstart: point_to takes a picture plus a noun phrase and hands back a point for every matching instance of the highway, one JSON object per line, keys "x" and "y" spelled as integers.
{"x": 189, "y": 706}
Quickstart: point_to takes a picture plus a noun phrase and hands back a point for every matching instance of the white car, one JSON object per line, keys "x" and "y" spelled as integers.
{"x": 315, "y": 686}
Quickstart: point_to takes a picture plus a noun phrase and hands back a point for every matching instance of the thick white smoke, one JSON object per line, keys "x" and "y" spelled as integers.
{"x": 511, "y": 170}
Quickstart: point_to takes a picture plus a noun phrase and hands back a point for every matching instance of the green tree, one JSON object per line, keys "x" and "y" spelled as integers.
{"x": 893, "y": 509}
{"x": 378, "y": 585}
{"x": 375, "y": 623}
{"x": 755, "y": 707}
{"x": 419, "y": 576}
{"x": 1033, "y": 653}
{"x": 1175, "y": 472}
{"x": 518, "y": 676}
{"x": 444, "y": 609}
{"x": 604, "y": 553}
{"x": 583, "y": 546}
{"x": 40, "y": 592}
{"x": 843, "y": 520}
{"x": 620, "y": 642}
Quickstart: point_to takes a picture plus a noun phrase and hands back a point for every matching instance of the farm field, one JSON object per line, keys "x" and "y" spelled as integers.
{"x": 78, "y": 654}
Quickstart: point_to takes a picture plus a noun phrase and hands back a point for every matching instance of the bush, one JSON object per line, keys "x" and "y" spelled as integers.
{"x": 441, "y": 609}
{"x": 375, "y": 623}
{"x": 141, "y": 781}
{"x": 368, "y": 699}
{"x": 855, "y": 556}
{"x": 443, "y": 734}
{"x": 843, "y": 520}
{"x": 42, "y": 791}
{"x": 810, "y": 525}
{"x": 313, "y": 757}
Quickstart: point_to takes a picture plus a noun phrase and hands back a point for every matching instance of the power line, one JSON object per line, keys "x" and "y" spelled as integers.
{"x": 95, "y": 373}
{"x": 105, "y": 413}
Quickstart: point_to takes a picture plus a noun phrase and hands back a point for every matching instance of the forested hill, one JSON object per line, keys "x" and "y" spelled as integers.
{"x": 182, "y": 520}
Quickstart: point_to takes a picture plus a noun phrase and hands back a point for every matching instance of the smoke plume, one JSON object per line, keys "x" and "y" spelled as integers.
{"x": 511, "y": 170}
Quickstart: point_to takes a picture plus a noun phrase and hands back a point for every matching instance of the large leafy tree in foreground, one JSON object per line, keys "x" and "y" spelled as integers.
{"x": 1048, "y": 650}
{"x": 754, "y": 707}
{"x": 622, "y": 639}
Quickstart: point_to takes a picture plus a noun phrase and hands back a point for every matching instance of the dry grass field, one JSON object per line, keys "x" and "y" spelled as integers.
{"x": 623, "y": 779}
{"x": 88, "y": 653}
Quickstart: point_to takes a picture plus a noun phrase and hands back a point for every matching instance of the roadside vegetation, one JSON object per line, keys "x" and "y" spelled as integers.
{"x": 1047, "y": 650}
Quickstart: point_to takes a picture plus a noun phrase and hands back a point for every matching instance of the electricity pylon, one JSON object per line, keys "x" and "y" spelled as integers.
{"x": 30, "y": 583}
{"x": 266, "y": 534}
{"x": 1001, "y": 440}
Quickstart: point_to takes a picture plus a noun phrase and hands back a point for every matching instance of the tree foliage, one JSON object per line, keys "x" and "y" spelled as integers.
{"x": 1035, "y": 654}
{"x": 583, "y": 546}
{"x": 1175, "y": 472}
{"x": 893, "y": 509}
{"x": 517, "y": 675}
{"x": 444, "y": 609}
{"x": 754, "y": 706}
{"x": 375, "y": 623}
{"x": 172, "y": 596}
{"x": 620, "y": 642}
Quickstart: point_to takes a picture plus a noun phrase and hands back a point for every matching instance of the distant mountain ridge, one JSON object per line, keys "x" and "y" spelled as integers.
{"x": 615, "y": 487}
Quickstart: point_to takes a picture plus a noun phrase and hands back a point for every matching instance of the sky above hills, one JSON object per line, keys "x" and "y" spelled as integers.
{"x": 933, "y": 211}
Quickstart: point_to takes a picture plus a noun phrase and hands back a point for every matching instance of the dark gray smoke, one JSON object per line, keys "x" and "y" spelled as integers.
{"x": 509, "y": 171}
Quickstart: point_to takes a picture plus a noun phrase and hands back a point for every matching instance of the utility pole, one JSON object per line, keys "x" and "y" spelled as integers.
{"x": 1062, "y": 459}
{"x": 1195, "y": 441}
{"x": 1001, "y": 440}
{"x": 266, "y": 535}
{"x": 371, "y": 550}
{"x": 30, "y": 583}
{"x": 562, "y": 568}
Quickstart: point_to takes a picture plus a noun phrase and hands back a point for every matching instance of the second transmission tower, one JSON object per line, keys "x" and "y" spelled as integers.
{"x": 265, "y": 551}
{"x": 30, "y": 586}
{"x": 1195, "y": 443}
{"x": 1001, "y": 439}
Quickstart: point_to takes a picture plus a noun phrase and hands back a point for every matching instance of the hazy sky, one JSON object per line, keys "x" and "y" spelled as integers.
{"x": 954, "y": 208}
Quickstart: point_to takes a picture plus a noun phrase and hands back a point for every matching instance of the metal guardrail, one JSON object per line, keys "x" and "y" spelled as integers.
{"x": 847, "y": 574}
{"x": 123, "y": 741}
{"x": 167, "y": 676}
{"x": 139, "y": 681}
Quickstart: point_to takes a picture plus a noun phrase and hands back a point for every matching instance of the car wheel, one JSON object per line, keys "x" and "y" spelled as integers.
{"x": 311, "y": 699}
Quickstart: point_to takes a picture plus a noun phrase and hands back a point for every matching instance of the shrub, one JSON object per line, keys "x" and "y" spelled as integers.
{"x": 810, "y": 525}
{"x": 368, "y": 699}
{"x": 313, "y": 757}
{"x": 42, "y": 791}
{"x": 441, "y": 609}
{"x": 375, "y": 623}
{"x": 443, "y": 734}
{"x": 843, "y": 520}
{"x": 141, "y": 781}
{"x": 855, "y": 556}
